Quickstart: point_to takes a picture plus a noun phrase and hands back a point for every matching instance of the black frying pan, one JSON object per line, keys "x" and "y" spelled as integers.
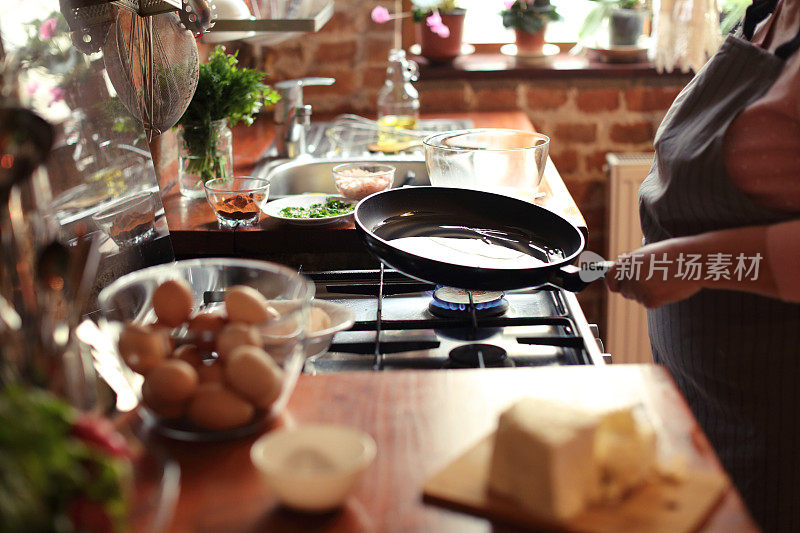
{"x": 540, "y": 244}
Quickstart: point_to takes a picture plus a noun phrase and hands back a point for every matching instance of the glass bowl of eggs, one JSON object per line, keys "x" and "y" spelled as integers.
{"x": 214, "y": 345}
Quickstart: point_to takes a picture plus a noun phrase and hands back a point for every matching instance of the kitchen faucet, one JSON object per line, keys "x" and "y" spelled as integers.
{"x": 292, "y": 117}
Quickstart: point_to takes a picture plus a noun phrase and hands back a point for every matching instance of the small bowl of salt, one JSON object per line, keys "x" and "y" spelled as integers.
{"x": 356, "y": 181}
{"x": 313, "y": 468}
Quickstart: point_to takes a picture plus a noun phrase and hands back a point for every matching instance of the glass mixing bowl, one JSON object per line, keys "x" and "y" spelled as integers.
{"x": 129, "y": 300}
{"x": 502, "y": 161}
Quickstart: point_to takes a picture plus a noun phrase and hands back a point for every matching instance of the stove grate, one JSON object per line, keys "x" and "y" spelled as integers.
{"x": 391, "y": 348}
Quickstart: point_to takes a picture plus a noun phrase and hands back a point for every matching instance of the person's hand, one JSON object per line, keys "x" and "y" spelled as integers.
{"x": 653, "y": 275}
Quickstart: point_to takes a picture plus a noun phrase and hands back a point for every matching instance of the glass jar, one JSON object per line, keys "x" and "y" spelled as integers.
{"x": 398, "y": 99}
{"x": 205, "y": 152}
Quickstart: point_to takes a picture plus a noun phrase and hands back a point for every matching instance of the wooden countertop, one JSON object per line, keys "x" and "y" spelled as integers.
{"x": 194, "y": 230}
{"x": 421, "y": 421}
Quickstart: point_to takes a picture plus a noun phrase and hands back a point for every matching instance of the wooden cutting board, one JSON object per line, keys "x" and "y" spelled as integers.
{"x": 659, "y": 507}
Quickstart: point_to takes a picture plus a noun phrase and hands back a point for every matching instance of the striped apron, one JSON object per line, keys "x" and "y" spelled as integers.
{"x": 735, "y": 356}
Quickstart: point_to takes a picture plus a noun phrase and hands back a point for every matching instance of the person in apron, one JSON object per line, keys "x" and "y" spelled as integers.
{"x": 731, "y": 342}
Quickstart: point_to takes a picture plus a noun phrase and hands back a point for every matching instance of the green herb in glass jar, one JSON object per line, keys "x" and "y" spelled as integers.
{"x": 225, "y": 93}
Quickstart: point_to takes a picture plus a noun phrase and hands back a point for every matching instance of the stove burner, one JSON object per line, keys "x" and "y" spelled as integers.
{"x": 472, "y": 355}
{"x": 448, "y": 302}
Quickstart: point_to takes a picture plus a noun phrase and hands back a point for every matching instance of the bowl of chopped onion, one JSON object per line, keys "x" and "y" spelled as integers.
{"x": 356, "y": 181}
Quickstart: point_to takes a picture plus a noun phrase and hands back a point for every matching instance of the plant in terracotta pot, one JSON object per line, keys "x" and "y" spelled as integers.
{"x": 529, "y": 19}
{"x": 625, "y": 21}
{"x": 440, "y": 34}
{"x": 440, "y": 26}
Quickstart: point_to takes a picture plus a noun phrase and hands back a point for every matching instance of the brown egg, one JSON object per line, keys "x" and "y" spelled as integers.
{"x": 216, "y": 408}
{"x": 190, "y": 354}
{"x": 281, "y": 328}
{"x": 246, "y": 304}
{"x": 234, "y": 335}
{"x": 319, "y": 320}
{"x": 252, "y": 373}
{"x": 161, "y": 408}
{"x": 208, "y": 321}
{"x": 167, "y": 333}
{"x": 205, "y": 326}
{"x": 141, "y": 348}
{"x": 173, "y": 302}
{"x": 280, "y": 337}
{"x": 211, "y": 373}
{"x": 172, "y": 381}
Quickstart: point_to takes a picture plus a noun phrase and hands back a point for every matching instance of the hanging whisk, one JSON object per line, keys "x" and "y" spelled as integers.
{"x": 152, "y": 62}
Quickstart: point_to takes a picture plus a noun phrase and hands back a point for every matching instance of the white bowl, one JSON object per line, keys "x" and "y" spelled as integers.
{"x": 313, "y": 468}
{"x": 275, "y": 207}
{"x": 342, "y": 318}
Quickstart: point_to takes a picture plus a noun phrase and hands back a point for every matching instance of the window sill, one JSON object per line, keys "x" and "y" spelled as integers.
{"x": 493, "y": 66}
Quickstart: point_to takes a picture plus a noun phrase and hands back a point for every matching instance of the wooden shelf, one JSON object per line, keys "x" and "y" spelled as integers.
{"x": 323, "y": 13}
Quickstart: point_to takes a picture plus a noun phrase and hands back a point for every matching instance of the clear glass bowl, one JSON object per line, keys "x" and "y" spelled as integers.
{"x": 503, "y": 161}
{"x": 356, "y": 181}
{"x": 129, "y": 299}
{"x": 237, "y": 201}
{"x": 129, "y": 221}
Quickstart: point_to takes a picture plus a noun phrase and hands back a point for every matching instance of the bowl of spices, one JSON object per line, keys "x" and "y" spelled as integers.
{"x": 129, "y": 221}
{"x": 237, "y": 201}
{"x": 356, "y": 181}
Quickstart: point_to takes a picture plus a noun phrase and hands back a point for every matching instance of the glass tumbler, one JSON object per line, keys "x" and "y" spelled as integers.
{"x": 237, "y": 202}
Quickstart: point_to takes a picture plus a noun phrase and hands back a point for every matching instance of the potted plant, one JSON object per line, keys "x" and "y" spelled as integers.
{"x": 625, "y": 21}
{"x": 225, "y": 95}
{"x": 529, "y": 19}
{"x": 440, "y": 35}
{"x": 439, "y": 29}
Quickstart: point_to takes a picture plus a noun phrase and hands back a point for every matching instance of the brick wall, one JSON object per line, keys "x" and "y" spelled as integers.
{"x": 585, "y": 117}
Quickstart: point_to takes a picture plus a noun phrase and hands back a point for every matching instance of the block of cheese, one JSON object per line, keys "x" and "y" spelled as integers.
{"x": 625, "y": 451}
{"x": 544, "y": 458}
{"x": 554, "y": 459}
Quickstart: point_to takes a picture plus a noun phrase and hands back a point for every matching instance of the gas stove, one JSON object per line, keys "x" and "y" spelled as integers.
{"x": 402, "y": 323}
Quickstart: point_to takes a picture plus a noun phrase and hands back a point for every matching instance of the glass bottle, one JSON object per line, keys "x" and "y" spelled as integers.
{"x": 398, "y": 99}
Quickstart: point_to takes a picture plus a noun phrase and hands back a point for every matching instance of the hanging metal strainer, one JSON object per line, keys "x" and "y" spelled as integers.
{"x": 152, "y": 62}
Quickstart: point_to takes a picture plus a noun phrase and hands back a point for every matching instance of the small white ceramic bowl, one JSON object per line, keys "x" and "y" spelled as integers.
{"x": 342, "y": 318}
{"x": 313, "y": 468}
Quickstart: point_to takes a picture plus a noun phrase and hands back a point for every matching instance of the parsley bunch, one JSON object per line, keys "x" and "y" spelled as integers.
{"x": 50, "y": 479}
{"x": 224, "y": 91}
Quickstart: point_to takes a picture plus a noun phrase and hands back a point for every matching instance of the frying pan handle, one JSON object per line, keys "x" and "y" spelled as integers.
{"x": 573, "y": 279}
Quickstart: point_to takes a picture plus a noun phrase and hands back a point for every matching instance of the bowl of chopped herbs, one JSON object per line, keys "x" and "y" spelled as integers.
{"x": 311, "y": 209}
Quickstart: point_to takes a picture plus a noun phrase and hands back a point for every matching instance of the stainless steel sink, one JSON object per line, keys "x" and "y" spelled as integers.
{"x": 311, "y": 172}
{"x": 304, "y": 175}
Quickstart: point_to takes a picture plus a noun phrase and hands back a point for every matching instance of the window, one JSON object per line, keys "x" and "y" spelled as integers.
{"x": 483, "y": 24}
{"x": 17, "y": 14}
